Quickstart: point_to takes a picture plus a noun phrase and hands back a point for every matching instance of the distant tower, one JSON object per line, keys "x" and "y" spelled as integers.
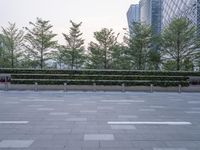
{"x": 133, "y": 14}
{"x": 151, "y": 14}
{"x": 189, "y": 9}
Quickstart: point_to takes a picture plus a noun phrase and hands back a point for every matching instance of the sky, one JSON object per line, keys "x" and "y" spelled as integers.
{"x": 95, "y": 14}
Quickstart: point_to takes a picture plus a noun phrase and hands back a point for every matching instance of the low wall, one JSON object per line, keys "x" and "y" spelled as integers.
{"x": 98, "y": 88}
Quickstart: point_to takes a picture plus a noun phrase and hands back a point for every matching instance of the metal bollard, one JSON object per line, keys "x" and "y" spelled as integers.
{"x": 36, "y": 86}
{"x": 123, "y": 87}
{"x": 179, "y": 88}
{"x": 94, "y": 87}
{"x": 65, "y": 87}
{"x": 6, "y": 86}
{"x": 151, "y": 88}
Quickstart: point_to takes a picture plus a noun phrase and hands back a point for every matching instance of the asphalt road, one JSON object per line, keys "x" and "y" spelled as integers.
{"x": 99, "y": 121}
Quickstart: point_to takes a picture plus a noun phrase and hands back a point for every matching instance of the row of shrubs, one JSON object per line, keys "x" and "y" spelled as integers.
{"x": 98, "y": 72}
{"x": 98, "y": 77}
{"x": 101, "y": 82}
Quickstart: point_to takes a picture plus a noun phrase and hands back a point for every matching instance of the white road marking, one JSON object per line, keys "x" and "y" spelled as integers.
{"x": 11, "y": 103}
{"x": 58, "y": 113}
{"x": 123, "y": 101}
{"x": 149, "y": 123}
{"x": 169, "y": 149}
{"x": 159, "y": 107}
{"x": 45, "y": 109}
{"x": 42, "y": 100}
{"x": 14, "y": 122}
{"x": 88, "y": 111}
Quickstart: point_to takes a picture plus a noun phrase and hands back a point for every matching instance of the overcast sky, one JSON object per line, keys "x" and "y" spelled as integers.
{"x": 95, "y": 14}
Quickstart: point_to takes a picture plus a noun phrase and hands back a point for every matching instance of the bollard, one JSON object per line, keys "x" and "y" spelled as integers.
{"x": 6, "y": 84}
{"x": 65, "y": 87}
{"x": 179, "y": 88}
{"x": 151, "y": 89}
{"x": 36, "y": 86}
{"x": 94, "y": 87}
{"x": 123, "y": 87}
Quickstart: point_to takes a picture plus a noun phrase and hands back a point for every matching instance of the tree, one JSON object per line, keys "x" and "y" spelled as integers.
{"x": 154, "y": 59}
{"x": 139, "y": 42}
{"x": 13, "y": 41}
{"x": 74, "y": 50}
{"x": 2, "y": 52}
{"x": 100, "y": 53}
{"x": 59, "y": 56}
{"x": 179, "y": 42}
{"x": 39, "y": 41}
{"x": 120, "y": 58}
{"x": 169, "y": 65}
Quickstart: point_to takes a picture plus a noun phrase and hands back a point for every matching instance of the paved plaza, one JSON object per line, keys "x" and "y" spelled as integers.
{"x": 99, "y": 121}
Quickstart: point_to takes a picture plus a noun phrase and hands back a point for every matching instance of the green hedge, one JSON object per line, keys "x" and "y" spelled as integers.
{"x": 101, "y": 82}
{"x": 98, "y": 72}
{"x": 98, "y": 77}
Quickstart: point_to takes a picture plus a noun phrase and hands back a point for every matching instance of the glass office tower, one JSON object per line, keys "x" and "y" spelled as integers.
{"x": 133, "y": 14}
{"x": 181, "y": 8}
{"x": 151, "y": 14}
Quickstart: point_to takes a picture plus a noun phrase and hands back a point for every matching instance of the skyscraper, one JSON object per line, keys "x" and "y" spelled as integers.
{"x": 181, "y": 8}
{"x": 133, "y": 14}
{"x": 151, "y": 14}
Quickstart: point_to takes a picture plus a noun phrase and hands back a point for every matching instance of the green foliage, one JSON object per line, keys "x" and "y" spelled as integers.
{"x": 99, "y": 72}
{"x": 100, "y": 53}
{"x": 73, "y": 53}
{"x": 120, "y": 58}
{"x": 180, "y": 43}
{"x": 12, "y": 40}
{"x": 177, "y": 48}
{"x": 154, "y": 60}
{"x": 39, "y": 41}
{"x": 169, "y": 65}
{"x": 100, "y": 77}
{"x": 103, "y": 82}
{"x": 139, "y": 42}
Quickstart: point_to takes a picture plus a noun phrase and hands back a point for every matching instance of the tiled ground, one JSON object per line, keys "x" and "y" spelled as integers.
{"x": 99, "y": 121}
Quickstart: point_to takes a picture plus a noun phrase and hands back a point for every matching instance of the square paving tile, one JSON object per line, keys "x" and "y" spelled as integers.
{"x": 76, "y": 119}
{"x": 15, "y": 143}
{"x": 98, "y": 137}
{"x": 123, "y": 127}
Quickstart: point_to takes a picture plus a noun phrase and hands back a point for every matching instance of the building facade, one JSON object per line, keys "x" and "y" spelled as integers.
{"x": 133, "y": 14}
{"x": 189, "y": 9}
{"x": 151, "y": 14}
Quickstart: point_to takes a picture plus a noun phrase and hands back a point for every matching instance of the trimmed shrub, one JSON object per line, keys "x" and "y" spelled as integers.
{"x": 102, "y": 82}
{"x": 98, "y": 72}
{"x": 97, "y": 77}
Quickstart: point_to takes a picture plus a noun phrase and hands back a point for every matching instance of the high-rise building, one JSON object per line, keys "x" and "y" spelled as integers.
{"x": 181, "y": 8}
{"x": 133, "y": 14}
{"x": 151, "y": 14}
